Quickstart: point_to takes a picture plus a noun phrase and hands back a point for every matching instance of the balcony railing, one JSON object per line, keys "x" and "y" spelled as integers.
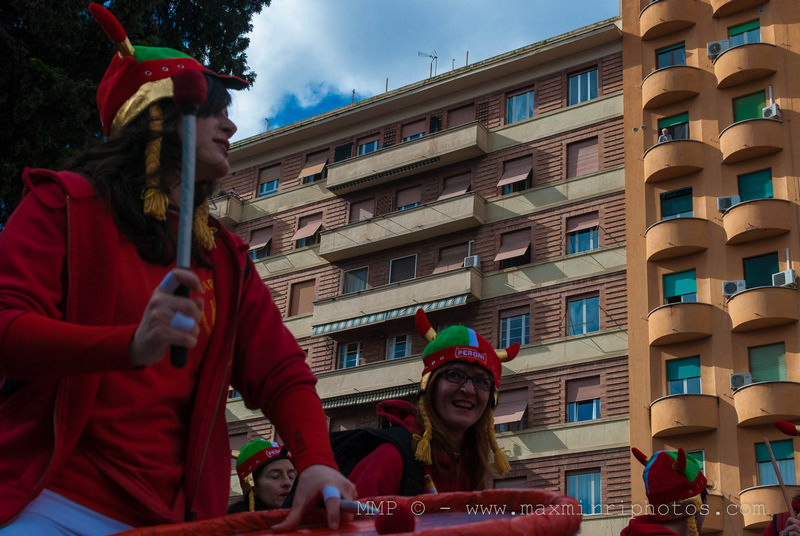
{"x": 745, "y": 63}
{"x": 676, "y": 237}
{"x": 662, "y": 18}
{"x": 670, "y": 85}
{"x": 749, "y": 139}
{"x": 672, "y": 159}
{"x": 400, "y": 160}
{"x": 723, "y": 8}
{"x": 757, "y": 219}
{"x": 679, "y": 322}
{"x": 683, "y": 414}
{"x": 227, "y": 208}
{"x": 762, "y": 307}
{"x": 760, "y": 502}
{"x": 767, "y": 402}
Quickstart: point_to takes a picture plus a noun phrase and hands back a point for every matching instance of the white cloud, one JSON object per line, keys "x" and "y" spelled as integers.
{"x": 309, "y": 48}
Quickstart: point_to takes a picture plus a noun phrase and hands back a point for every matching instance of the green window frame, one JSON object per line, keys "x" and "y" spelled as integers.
{"x": 683, "y": 376}
{"x": 669, "y": 56}
{"x": 700, "y": 457}
{"x": 783, "y": 451}
{"x": 677, "y": 204}
{"x": 749, "y": 106}
{"x": 755, "y": 185}
{"x": 758, "y": 270}
{"x": 677, "y": 125}
{"x": 749, "y": 32}
{"x": 680, "y": 287}
{"x": 768, "y": 362}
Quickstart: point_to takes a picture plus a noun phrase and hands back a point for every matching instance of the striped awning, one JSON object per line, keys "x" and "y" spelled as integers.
{"x": 371, "y": 396}
{"x": 391, "y": 314}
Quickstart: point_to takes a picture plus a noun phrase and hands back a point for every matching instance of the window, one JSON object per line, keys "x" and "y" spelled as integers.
{"x": 355, "y": 280}
{"x": 582, "y": 87}
{"x": 758, "y": 270}
{"x": 413, "y": 130}
{"x": 768, "y": 362}
{"x": 402, "y": 269}
{"x": 583, "y": 399}
{"x": 307, "y": 231}
{"x": 680, "y": 287}
{"x": 511, "y": 413}
{"x": 582, "y": 158}
{"x": 314, "y": 168}
{"x": 451, "y": 257}
{"x": 409, "y": 198}
{"x": 460, "y": 116}
{"x": 301, "y": 301}
{"x": 519, "y": 107}
{"x": 582, "y": 233}
{"x": 260, "y": 243}
{"x": 756, "y": 185}
{"x": 268, "y": 180}
{"x": 700, "y": 457}
{"x": 398, "y": 347}
{"x": 343, "y": 152}
{"x": 749, "y": 106}
{"x": 745, "y": 33}
{"x": 676, "y": 204}
{"x": 514, "y": 249}
{"x": 350, "y": 355}
{"x": 456, "y": 185}
{"x": 514, "y": 326}
{"x": 362, "y": 210}
{"x": 516, "y": 176}
{"x": 368, "y": 145}
{"x": 784, "y": 454}
{"x": 683, "y": 376}
{"x": 677, "y": 126}
{"x": 585, "y": 487}
{"x": 582, "y": 315}
{"x": 669, "y": 56}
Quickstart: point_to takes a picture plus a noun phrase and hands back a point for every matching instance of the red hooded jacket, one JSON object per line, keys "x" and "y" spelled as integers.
{"x": 645, "y": 526}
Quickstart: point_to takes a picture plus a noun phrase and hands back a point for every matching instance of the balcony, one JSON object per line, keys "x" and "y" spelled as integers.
{"x": 679, "y": 322}
{"x": 676, "y": 237}
{"x": 750, "y": 138}
{"x": 662, "y": 18}
{"x": 762, "y": 307}
{"x": 403, "y": 159}
{"x": 683, "y": 414}
{"x": 745, "y": 63}
{"x": 403, "y": 227}
{"x": 669, "y": 85}
{"x": 713, "y": 522}
{"x": 760, "y": 502}
{"x": 767, "y": 402}
{"x": 227, "y": 208}
{"x": 381, "y": 304}
{"x": 723, "y": 8}
{"x": 672, "y": 159}
{"x": 756, "y": 220}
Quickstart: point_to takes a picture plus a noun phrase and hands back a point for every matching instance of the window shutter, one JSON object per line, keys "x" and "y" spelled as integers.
{"x": 461, "y": 116}
{"x": 757, "y": 185}
{"x": 768, "y": 363}
{"x": 409, "y": 196}
{"x": 583, "y": 389}
{"x": 581, "y": 222}
{"x": 343, "y": 152}
{"x": 412, "y": 129}
{"x": 582, "y": 158}
{"x": 302, "y": 298}
{"x": 511, "y": 406}
{"x": 314, "y": 164}
{"x": 680, "y": 283}
{"x": 269, "y": 174}
{"x": 672, "y": 121}
{"x": 362, "y": 210}
{"x": 260, "y": 238}
{"x": 681, "y": 369}
{"x": 308, "y": 226}
{"x": 515, "y": 170}
{"x": 456, "y": 185}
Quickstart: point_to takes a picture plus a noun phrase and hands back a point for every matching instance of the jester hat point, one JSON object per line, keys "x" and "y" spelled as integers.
{"x": 787, "y": 428}
{"x": 670, "y": 476}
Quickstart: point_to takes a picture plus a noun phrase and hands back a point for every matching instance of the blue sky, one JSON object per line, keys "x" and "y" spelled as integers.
{"x": 310, "y": 55}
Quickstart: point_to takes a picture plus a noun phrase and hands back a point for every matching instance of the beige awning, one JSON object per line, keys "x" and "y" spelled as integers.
{"x": 515, "y": 171}
{"x": 308, "y": 227}
{"x": 315, "y": 163}
{"x": 260, "y": 238}
{"x": 513, "y": 245}
{"x": 511, "y": 406}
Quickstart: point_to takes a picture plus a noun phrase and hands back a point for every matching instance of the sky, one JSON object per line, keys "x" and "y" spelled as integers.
{"x": 311, "y": 55}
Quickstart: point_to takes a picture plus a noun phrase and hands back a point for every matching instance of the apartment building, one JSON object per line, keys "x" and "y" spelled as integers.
{"x": 490, "y": 196}
{"x": 712, "y": 237}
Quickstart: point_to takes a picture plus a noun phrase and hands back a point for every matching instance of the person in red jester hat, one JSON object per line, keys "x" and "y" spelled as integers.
{"x": 452, "y": 425}
{"x": 676, "y": 496}
{"x": 784, "y": 523}
{"x": 98, "y": 431}
{"x": 266, "y": 475}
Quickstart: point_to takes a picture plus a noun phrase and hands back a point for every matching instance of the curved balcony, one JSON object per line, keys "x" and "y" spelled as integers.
{"x": 750, "y": 138}
{"x": 679, "y": 322}
{"x": 683, "y": 414}
{"x": 756, "y": 219}
{"x": 672, "y": 159}
{"x": 760, "y": 502}
{"x": 676, "y": 237}
{"x": 766, "y": 402}
{"x": 745, "y": 63}
{"x": 669, "y": 85}
{"x": 762, "y": 307}
{"x": 662, "y": 18}
{"x": 723, "y": 8}
{"x": 713, "y": 522}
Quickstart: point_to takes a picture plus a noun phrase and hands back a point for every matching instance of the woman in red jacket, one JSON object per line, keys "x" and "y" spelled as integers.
{"x": 98, "y": 432}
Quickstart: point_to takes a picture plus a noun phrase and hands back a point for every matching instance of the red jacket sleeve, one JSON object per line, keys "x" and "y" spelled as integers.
{"x": 379, "y": 473}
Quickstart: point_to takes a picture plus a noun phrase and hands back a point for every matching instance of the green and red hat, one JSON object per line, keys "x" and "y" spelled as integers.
{"x": 255, "y": 454}
{"x": 670, "y": 476}
{"x": 139, "y": 76}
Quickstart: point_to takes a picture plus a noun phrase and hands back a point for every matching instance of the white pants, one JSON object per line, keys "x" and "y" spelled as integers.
{"x": 53, "y": 514}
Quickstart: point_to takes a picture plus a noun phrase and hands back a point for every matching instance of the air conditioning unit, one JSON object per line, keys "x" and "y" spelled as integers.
{"x": 715, "y": 48}
{"x": 740, "y": 380}
{"x": 773, "y": 111}
{"x": 472, "y": 262}
{"x": 729, "y": 288}
{"x": 786, "y": 278}
{"x": 726, "y": 202}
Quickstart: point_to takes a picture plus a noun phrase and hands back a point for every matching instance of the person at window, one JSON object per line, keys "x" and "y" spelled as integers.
{"x": 783, "y": 524}
{"x": 451, "y": 428}
{"x": 98, "y": 431}
{"x": 665, "y": 136}
{"x": 266, "y": 474}
{"x": 676, "y": 494}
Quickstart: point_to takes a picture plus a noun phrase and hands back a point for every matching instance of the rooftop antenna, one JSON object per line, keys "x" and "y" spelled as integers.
{"x": 434, "y": 59}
